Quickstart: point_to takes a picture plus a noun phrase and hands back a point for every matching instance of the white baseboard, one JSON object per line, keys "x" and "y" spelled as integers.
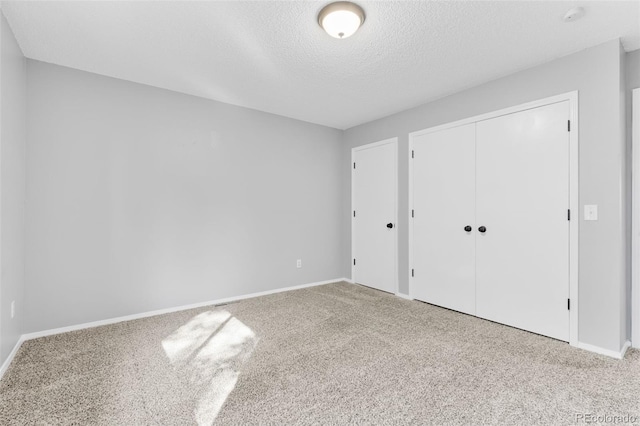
{"x": 401, "y": 295}
{"x": 404, "y": 296}
{"x": 12, "y": 354}
{"x": 626, "y": 346}
{"x": 608, "y": 352}
{"x": 51, "y": 332}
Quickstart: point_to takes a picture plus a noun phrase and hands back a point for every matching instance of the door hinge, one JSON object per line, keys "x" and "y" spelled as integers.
{"x": 569, "y": 304}
{"x": 354, "y": 165}
{"x": 412, "y": 154}
{"x": 568, "y": 214}
{"x": 568, "y": 125}
{"x": 412, "y": 273}
{"x": 354, "y": 213}
{"x": 412, "y": 213}
{"x": 354, "y": 262}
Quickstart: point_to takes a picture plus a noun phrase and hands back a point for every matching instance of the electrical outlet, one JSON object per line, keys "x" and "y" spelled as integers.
{"x": 299, "y": 263}
{"x": 13, "y": 309}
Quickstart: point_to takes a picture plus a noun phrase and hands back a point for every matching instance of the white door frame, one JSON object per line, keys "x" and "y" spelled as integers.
{"x": 574, "y": 205}
{"x": 635, "y": 249}
{"x": 393, "y": 141}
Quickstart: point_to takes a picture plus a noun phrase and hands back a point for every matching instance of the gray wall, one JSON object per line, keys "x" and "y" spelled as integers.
{"x": 12, "y": 190}
{"x": 633, "y": 69}
{"x": 141, "y": 199}
{"x": 596, "y": 74}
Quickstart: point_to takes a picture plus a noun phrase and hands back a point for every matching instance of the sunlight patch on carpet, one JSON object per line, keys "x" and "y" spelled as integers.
{"x": 209, "y": 352}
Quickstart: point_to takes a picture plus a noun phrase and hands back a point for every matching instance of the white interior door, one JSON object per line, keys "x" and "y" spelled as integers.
{"x": 374, "y": 198}
{"x": 444, "y": 205}
{"x": 522, "y": 200}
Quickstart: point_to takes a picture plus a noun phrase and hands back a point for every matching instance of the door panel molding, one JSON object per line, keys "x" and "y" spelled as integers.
{"x": 572, "y": 98}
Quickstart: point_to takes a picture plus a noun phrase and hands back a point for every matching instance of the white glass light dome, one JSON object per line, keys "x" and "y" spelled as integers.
{"x": 341, "y": 19}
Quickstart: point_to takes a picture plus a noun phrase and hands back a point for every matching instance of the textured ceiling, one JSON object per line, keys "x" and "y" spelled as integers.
{"x": 273, "y": 56}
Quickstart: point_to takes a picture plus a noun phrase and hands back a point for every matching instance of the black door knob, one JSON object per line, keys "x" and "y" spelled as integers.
{"x": 389, "y": 225}
{"x": 467, "y": 228}
{"x": 482, "y": 229}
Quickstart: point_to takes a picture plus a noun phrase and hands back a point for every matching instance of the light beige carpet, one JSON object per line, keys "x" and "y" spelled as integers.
{"x": 332, "y": 354}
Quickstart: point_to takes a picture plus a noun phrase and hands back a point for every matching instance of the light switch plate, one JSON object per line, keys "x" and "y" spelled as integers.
{"x": 591, "y": 212}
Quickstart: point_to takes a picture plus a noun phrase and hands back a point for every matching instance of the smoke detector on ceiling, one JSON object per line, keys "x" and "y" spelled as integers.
{"x": 573, "y": 14}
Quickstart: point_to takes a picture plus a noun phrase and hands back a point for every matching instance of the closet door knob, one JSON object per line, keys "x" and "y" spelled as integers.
{"x": 482, "y": 229}
{"x": 467, "y": 228}
{"x": 389, "y": 225}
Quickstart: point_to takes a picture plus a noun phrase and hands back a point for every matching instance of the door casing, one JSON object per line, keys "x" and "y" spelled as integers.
{"x": 635, "y": 249}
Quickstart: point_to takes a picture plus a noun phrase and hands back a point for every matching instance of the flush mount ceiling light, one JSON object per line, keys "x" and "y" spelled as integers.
{"x": 341, "y": 19}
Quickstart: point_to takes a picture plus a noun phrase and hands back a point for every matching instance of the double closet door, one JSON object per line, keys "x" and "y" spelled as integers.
{"x": 490, "y": 226}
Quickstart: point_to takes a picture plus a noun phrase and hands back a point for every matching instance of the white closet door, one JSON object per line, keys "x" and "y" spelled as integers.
{"x": 522, "y": 193}
{"x": 374, "y": 225}
{"x": 444, "y": 204}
